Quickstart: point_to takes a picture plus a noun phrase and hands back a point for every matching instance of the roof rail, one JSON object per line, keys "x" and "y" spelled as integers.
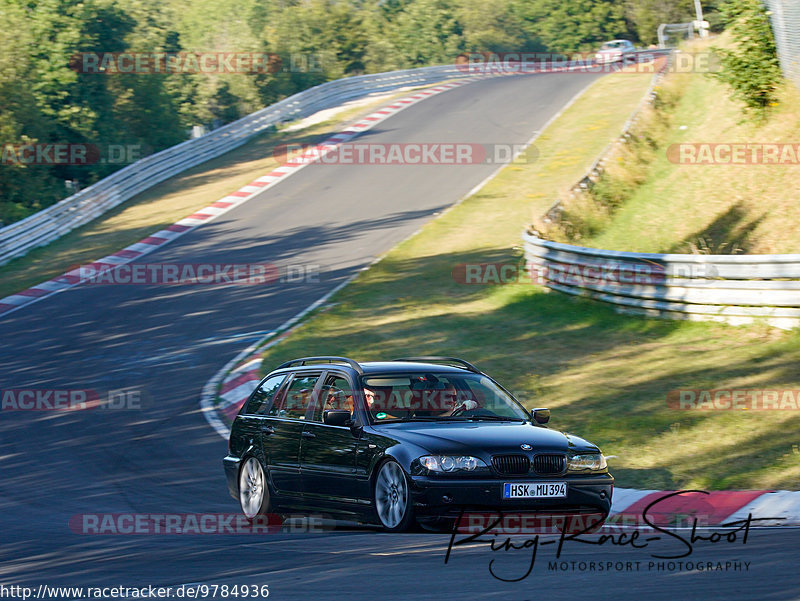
{"x": 435, "y": 359}
{"x": 324, "y": 359}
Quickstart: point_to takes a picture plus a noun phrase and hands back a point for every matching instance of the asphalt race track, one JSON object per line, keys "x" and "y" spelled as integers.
{"x": 167, "y": 341}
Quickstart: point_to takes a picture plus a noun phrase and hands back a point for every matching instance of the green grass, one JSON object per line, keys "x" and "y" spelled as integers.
{"x": 606, "y": 376}
{"x": 716, "y": 208}
{"x": 166, "y": 203}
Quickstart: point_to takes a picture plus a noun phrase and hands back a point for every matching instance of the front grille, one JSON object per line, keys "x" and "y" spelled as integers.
{"x": 549, "y": 464}
{"x": 511, "y": 465}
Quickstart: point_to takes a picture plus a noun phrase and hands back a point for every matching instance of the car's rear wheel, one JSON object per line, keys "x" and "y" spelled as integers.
{"x": 253, "y": 490}
{"x": 392, "y": 498}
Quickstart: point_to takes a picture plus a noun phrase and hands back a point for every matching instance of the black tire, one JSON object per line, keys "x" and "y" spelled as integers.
{"x": 391, "y": 498}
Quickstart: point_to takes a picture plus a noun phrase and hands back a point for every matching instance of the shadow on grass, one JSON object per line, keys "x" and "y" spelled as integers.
{"x": 729, "y": 234}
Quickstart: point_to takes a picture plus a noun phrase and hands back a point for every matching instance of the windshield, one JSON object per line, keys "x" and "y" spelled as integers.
{"x": 611, "y": 45}
{"x": 431, "y": 396}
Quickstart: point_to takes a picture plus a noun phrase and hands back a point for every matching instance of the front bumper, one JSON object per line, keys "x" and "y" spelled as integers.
{"x": 447, "y": 497}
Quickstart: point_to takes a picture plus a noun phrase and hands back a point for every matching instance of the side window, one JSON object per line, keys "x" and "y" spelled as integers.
{"x": 297, "y": 399}
{"x": 263, "y": 396}
{"x": 336, "y": 393}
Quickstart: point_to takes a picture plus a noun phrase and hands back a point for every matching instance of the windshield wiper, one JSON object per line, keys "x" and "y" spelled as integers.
{"x": 448, "y": 418}
{"x": 496, "y": 418}
{"x": 419, "y": 418}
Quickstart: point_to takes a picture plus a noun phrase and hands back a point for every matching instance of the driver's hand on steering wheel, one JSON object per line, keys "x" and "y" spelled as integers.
{"x": 467, "y": 405}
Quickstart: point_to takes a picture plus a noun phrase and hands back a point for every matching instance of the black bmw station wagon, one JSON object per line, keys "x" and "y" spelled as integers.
{"x": 404, "y": 442}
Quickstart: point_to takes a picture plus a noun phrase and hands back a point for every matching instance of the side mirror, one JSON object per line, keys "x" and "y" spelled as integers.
{"x": 541, "y": 415}
{"x": 337, "y": 417}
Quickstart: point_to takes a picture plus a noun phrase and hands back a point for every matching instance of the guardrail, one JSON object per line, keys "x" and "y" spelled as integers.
{"x": 735, "y": 289}
{"x": 49, "y": 224}
{"x": 784, "y": 16}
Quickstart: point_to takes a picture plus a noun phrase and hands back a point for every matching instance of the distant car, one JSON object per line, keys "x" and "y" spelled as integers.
{"x": 404, "y": 442}
{"x": 615, "y": 51}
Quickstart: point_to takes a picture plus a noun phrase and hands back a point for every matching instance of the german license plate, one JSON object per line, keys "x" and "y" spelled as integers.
{"x": 534, "y": 490}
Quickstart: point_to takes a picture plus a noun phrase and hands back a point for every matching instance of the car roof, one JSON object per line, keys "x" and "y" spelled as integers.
{"x": 374, "y": 367}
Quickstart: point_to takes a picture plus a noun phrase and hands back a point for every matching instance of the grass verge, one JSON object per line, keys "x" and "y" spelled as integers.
{"x": 649, "y": 202}
{"x": 606, "y": 376}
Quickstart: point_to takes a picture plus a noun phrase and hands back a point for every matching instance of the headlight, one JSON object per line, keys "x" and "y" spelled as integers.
{"x": 451, "y": 463}
{"x": 593, "y": 462}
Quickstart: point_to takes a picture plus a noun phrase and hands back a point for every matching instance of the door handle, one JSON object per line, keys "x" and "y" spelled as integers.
{"x": 307, "y": 434}
{"x": 267, "y": 430}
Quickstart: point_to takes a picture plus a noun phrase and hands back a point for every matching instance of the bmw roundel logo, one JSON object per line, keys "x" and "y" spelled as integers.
{"x": 525, "y": 447}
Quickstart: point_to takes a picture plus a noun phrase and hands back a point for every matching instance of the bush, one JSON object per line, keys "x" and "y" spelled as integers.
{"x": 752, "y": 69}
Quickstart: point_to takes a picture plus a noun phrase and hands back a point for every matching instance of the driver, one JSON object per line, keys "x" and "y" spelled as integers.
{"x": 450, "y": 404}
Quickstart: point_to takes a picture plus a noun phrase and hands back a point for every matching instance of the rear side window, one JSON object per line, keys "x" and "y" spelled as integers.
{"x": 263, "y": 396}
{"x": 297, "y": 399}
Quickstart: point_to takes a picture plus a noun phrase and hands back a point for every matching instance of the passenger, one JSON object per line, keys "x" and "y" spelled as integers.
{"x": 377, "y": 402}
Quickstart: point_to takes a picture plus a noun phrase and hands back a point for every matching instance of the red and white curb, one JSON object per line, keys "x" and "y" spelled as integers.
{"x": 710, "y": 508}
{"x": 162, "y": 237}
{"x": 237, "y": 386}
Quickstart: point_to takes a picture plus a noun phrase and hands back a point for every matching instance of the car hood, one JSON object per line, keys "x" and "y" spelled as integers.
{"x": 469, "y": 437}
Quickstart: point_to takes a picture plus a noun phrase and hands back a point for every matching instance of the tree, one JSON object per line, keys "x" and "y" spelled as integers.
{"x": 580, "y": 25}
{"x": 647, "y": 15}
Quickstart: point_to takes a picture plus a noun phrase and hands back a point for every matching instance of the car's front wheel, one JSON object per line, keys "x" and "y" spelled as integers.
{"x": 253, "y": 489}
{"x": 392, "y": 498}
